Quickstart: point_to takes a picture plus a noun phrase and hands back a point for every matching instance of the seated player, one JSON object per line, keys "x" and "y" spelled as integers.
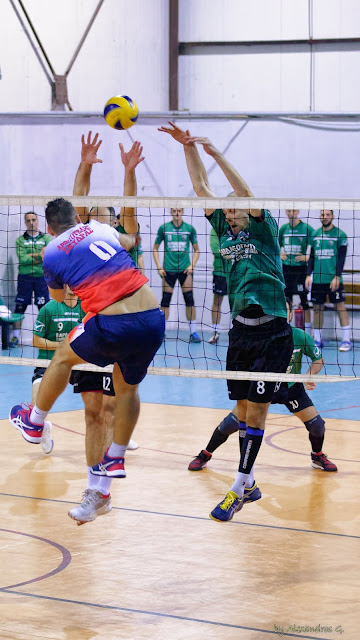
{"x": 53, "y": 324}
{"x": 294, "y": 397}
{"x": 123, "y": 326}
{"x": 96, "y": 388}
{"x": 177, "y": 236}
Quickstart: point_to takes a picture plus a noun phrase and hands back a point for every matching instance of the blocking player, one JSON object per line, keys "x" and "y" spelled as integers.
{"x": 293, "y": 395}
{"x": 177, "y": 236}
{"x": 96, "y": 388}
{"x": 294, "y": 239}
{"x": 260, "y": 338}
{"x": 53, "y": 324}
{"x": 123, "y": 326}
{"x": 219, "y": 286}
{"x": 326, "y": 263}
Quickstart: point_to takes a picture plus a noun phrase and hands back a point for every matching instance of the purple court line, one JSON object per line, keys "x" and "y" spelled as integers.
{"x": 66, "y": 559}
{"x": 270, "y": 437}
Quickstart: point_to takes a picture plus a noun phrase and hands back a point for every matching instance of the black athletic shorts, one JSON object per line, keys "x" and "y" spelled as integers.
{"x": 295, "y": 283}
{"x": 267, "y": 347}
{"x": 172, "y": 276}
{"x": 294, "y": 398}
{"x": 219, "y": 285}
{"x": 87, "y": 381}
{"x": 319, "y": 292}
{"x": 39, "y": 372}
{"x": 27, "y": 284}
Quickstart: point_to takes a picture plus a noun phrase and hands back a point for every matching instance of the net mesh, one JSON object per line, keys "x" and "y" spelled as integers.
{"x": 178, "y": 356}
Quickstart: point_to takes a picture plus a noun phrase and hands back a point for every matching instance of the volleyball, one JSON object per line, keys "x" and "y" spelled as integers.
{"x": 121, "y": 112}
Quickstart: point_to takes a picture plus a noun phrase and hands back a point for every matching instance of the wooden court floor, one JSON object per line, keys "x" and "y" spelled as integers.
{"x": 156, "y": 567}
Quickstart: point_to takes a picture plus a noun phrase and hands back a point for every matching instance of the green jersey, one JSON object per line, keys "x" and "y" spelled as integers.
{"x": 55, "y": 321}
{"x": 326, "y": 245}
{"x": 303, "y": 344}
{"x": 295, "y": 241}
{"x": 135, "y": 252}
{"x": 252, "y": 264}
{"x": 27, "y": 244}
{"x": 218, "y": 268}
{"x": 176, "y": 245}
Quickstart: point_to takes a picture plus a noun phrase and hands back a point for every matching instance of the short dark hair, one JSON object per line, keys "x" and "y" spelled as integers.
{"x": 60, "y": 215}
{"x": 30, "y": 213}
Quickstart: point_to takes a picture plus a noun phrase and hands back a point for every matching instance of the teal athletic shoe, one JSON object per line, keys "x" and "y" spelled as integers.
{"x": 225, "y": 510}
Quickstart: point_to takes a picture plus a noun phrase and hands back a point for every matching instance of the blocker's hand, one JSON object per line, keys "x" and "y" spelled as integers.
{"x": 89, "y": 149}
{"x": 309, "y": 386}
{"x": 206, "y": 143}
{"x": 132, "y": 158}
{"x": 175, "y": 132}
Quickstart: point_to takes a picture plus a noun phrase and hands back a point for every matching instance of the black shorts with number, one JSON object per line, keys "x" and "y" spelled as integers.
{"x": 267, "y": 347}
{"x": 172, "y": 276}
{"x": 88, "y": 381}
{"x": 319, "y": 293}
{"x": 295, "y": 283}
{"x": 219, "y": 285}
{"x": 294, "y": 398}
{"x": 27, "y": 284}
{"x": 39, "y": 373}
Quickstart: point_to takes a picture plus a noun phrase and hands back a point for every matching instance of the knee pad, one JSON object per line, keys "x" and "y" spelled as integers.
{"x": 189, "y": 299}
{"x": 316, "y": 426}
{"x": 165, "y": 301}
{"x": 229, "y": 425}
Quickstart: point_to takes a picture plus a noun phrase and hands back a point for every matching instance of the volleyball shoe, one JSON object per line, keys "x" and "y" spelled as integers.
{"x": 19, "y": 417}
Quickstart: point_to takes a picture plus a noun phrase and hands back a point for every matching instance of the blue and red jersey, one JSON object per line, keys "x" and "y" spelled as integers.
{"x": 90, "y": 259}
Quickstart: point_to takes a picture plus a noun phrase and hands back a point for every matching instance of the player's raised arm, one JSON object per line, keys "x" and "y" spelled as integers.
{"x": 130, "y": 160}
{"x": 194, "y": 163}
{"x": 89, "y": 149}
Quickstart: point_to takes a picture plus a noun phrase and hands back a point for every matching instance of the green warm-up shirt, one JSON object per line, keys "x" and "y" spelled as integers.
{"x": 326, "y": 245}
{"x": 27, "y": 244}
{"x": 295, "y": 241}
{"x": 176, "y": 245}
{"x": 55, "y": 321}
{"x": 304, "y": 344}
{"x": 218, "y": 268}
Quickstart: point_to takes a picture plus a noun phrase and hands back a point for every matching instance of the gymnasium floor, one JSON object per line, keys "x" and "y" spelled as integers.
{"x": 156, "y": 566}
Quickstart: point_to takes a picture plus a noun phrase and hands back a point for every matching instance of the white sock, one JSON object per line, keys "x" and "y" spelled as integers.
{"x": 215, "y": 327}
{"x": 317, "y": 335}
{"x": 37, "y": 416}
{"x": 250, "y": 479}
{"x": 240, "y": 481}
{"x": 346, "y": 334}
{"x": 116, "y": 450}
{"x": 104, "y": 485}
{"x": 192, "y": 325}
{"x": 308, "y": 327}
{"x": 92, "y": 480}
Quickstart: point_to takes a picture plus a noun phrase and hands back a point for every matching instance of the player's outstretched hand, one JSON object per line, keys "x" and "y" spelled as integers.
{"x": 206, "y": 143}
{"x": 132, "y": 158}
{"x": 309, "y": 386}
{"x": 90, "y": 148}
{"x": 175, "y": 132}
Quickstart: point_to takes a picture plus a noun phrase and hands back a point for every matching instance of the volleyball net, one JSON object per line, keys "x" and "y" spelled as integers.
{"x": 178, "y": 356}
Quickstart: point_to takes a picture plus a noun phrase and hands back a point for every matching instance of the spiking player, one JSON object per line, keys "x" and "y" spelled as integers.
{"x": 123, "y": 326}
{"x": 294, "y": 397}
{"x": 261, "y": 338}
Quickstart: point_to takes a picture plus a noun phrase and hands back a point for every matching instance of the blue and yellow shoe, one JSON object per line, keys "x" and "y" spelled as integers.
{"x": 252, "y": 494}
{"x": 225, "y": 510}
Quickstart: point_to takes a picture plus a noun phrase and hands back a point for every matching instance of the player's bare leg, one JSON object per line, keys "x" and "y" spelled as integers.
{"x": 316, "y": 428}
{"x": 187, "y": 289}
{"x": 346, "y": 344}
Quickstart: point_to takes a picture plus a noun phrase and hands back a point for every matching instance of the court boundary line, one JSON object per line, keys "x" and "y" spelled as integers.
{"x": 179, "y": 515}
{"x": 157, "y": 614}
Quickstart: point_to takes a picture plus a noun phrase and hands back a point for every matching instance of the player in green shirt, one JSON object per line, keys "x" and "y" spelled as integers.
{"x": 293, "y": 395}
{"x": 261, "y": 338}
{"x": 30, "y": 249}
{"x": 294, "y": 239}
{"x": 54, "y": 322}
{"x": 177, "y": 236}
{"x": 219, "y": 285}
{"x": 326, "y": 263}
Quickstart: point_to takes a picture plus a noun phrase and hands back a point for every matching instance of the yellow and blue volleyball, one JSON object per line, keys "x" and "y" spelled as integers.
{"x": 121, "y": 112}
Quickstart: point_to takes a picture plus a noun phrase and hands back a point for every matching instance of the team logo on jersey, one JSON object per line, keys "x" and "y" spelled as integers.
{"x": 39, "y": 326}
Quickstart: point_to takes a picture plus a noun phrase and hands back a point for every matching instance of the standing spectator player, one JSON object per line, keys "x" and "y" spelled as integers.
{"x": 260, "y": 338}
{"x": 326, "y": 263}
{"x": 30, "y": 250}
{"x": 54, "y": 322}
{"x": 294, "y": 239}
{"x": 177, "y": 236}
{"x": 293, "y": 395}
{"x": 219, "y": 286}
